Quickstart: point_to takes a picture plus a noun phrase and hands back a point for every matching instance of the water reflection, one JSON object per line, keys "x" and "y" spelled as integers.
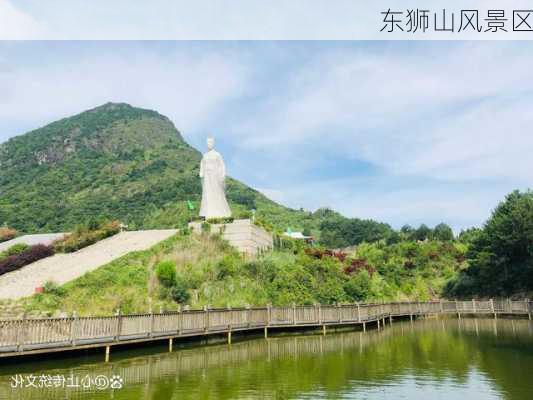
{"x": 447, "y": 358}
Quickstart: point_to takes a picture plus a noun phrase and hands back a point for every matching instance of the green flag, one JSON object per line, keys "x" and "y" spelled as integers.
{"x": 190, "y": 205}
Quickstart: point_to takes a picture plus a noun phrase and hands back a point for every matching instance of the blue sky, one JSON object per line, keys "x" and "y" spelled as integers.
{"x": 402, "y": 132}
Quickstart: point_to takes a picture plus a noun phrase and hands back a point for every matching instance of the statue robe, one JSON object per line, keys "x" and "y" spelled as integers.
{"x": 213, "y": 174}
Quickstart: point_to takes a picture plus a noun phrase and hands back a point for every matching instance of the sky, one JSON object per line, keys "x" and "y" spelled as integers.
{"x": 400, "y": 132}
{"x": 234, "y": 19}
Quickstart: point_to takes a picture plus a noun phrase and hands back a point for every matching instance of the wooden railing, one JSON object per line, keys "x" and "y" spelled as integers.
{"x": 55, "y": 334}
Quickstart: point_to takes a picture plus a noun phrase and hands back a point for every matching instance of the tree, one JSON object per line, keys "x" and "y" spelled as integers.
{"x": 501, "y": 254}
{"x": 307, "y": 230}
{"x": 442, "y": 232}
{"x": 407, "y": 232}
{"x": 407, "y": 229}
{"x": 338, "y": 231}
{"x": 467, "y": 236}
{"x": 422, "y": 233}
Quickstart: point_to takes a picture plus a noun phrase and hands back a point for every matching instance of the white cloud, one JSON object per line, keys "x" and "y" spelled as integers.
{"x": 398, "y": 132}
{"x": 186, "y": 87}
{"x": 242, "y": 19}
{"x": 448, "y": 112}
{"x": 15, "y": 24}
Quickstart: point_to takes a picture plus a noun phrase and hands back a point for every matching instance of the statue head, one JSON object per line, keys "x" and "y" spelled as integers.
{"x": 210, "y": 143}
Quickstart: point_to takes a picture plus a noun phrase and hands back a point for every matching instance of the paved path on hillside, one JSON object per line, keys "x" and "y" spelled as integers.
{"x": 30, "y": 240}
{"x": 62, "y": 268}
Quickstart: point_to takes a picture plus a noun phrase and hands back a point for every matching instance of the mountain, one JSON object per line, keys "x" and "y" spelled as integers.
{"x": 114, "y": 161}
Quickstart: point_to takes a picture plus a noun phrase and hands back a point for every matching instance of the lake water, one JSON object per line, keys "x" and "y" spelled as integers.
{"x": 428, "y": 359}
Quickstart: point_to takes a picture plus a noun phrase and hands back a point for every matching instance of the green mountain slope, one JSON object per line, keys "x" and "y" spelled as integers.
{"x": 114, "y": 161}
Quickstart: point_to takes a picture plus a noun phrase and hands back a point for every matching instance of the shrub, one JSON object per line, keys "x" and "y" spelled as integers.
{"x": 53, "y": 288}
{"x": 206, "y": 227}
{"x": 84, "y": 236}
{"x": 34, "y": 253}
{"x": 357, "y": 265}
{"x": 358, "y": 286}
{"x": 179, "y": 292}
{"x": 7, "y": 234}
{"x": 224, "y": 220}
{"x": 14, "y": 250}
{"x": 260, "y": 222}
{"x": 227, "y": 266}
{"x": 166, "y": 273}
{"x": 320, "y": 254}
{"x": 244, "y": 214}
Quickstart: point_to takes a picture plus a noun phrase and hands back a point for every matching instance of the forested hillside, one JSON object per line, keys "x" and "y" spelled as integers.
{"x": 115, "y": 162}
{"x": 121, "y": 162}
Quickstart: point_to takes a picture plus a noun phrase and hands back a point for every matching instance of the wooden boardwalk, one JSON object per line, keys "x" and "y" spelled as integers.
{"x": 48, "y": 335}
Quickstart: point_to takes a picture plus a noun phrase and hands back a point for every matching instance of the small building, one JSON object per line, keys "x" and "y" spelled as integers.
{"x": 298, "y": 236}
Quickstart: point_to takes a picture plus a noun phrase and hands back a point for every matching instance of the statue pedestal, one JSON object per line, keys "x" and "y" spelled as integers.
{"x": 242, "y": 234}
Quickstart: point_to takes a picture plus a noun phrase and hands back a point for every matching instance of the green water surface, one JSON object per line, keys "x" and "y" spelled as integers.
{"x": 429, "y": 359}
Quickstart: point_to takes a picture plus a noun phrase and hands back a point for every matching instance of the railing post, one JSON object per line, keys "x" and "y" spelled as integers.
{"x": 339, "y": 313}
{"x": 509, "y": 305}
{"x": 180, "y": 322}
{"x": 206, "y": 318}
{"x": 441, "y": 307}
{"x": 151, "y": 334}
{"x": 20, "y": 332}
{"x": 457, "y": 309}
{"x": 230, "y": 312}
{"x": 474, "y": 305}
{"x": 294, "y": 313}
{"x": 358, "y": 313}
{"x": 269, "y": 314}
{"x": 492, "y": 308}
{"x": 73, "y": 329}
{"x": 248, "y": 323}
{"x": 319, "y": 314}
{"x": 119, "y": 325}
{"x": 527, "y": 308}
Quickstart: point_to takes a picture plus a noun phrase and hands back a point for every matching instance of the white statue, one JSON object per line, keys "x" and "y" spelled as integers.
{"x": 213, "y": 174}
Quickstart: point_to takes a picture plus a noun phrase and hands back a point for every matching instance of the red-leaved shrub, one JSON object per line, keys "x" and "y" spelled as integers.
{"x": 7, "y": 234}
{"x": 358, "y": 264}
{"x": 319, "y": 254}
{"x": 34, "y": 253}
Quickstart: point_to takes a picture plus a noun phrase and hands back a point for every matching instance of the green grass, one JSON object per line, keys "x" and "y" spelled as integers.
{"x": 214, "y": 274}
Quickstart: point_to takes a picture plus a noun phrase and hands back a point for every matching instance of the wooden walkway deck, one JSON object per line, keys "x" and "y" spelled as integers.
{"x": 40, "y": 336}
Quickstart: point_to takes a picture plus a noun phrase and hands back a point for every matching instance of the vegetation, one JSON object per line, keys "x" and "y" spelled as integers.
{"x": 129, "y": 164}
{"x": 500, "y": 255}
{"x": 203, "y": 269}
{"x": 25, "y": 257}
{"x": 166, "y": 273}
{"x": 132, "y": 165}
{"x": 14, "y": 250}
{"x": 7, "y": 233}
{"x": 112, "y": 162}
{"x": 179, "y": 292}
{"x": 85, "y": 235}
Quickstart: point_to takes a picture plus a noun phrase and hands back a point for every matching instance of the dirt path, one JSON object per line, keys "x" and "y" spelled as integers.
{"x": 62, "y": 268}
